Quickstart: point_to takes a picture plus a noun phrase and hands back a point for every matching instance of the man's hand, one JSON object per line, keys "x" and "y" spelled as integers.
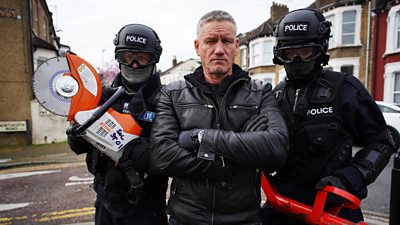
{"x": 332, "y": 200}
{"x": 137, "y": 151}
{"x": 188, "y": 139}
{"x": 76, "y": 142}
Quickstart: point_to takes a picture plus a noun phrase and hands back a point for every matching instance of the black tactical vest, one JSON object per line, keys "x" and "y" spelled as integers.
{"x": 319, "y": 144}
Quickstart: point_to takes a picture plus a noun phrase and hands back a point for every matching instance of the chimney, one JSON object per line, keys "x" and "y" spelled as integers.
{"x": 174, "y": 61}
{"x": 278, "y": 11}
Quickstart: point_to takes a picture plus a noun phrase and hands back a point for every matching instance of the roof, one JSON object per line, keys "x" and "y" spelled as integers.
{"x": 265, "y": 29}
{"x": 180, "y": 64}
{"x": 37, "y": 42}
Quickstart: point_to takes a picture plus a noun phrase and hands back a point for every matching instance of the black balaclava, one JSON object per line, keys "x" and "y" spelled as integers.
{"x": 299, "y": 70}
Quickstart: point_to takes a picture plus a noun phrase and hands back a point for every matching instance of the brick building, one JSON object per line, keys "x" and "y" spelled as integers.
{"x": 27, "y": 39}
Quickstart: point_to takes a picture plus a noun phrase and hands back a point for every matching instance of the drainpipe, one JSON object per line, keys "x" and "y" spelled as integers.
{"x": 367, "y": 50}
{"x": 375, "y": 56}
{"x": 30, "y": 35}
{"x": 394, "y": 218}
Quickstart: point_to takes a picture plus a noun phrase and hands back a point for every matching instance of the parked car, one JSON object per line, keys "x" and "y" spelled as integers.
{"x": 391, "y": 112}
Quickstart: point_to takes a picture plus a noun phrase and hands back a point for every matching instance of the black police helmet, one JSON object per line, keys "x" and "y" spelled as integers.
{"x": 303, "y": 26}
{"x": 140, "y": 38}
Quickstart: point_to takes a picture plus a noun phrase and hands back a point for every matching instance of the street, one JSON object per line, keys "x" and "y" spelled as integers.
{"x": 48, "y": 196}
{"x": 62, "y": 194}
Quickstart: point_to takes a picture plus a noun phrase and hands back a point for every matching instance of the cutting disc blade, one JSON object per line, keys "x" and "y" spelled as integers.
{"x": 46, "y": 82}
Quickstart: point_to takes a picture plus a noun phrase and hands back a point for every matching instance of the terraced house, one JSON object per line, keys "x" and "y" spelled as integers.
{"x": 364, "y": 43}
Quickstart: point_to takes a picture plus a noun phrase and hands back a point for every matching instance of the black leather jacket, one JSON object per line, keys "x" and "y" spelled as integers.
{"x": 219, "y": 183}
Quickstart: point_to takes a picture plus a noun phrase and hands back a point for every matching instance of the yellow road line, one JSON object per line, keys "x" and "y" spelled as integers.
{"x": 49, "y": 216}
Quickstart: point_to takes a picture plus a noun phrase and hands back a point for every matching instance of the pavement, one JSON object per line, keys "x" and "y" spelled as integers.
{"x": 31, "y": 155}
{"x": 14, "y": 158}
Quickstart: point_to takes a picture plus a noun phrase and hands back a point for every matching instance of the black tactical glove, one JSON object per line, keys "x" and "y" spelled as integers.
{"x": 76, "y": 142}
{"x": 188, "y": 139}
{"x": 137, "y": 151}
{"x": 256, "y": 123}
{"x": 332, "y": 200}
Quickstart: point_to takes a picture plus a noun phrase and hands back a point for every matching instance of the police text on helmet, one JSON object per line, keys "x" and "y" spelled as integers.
{"x": 135, "y": 39}
{"x": 320, "y": 111}
{"x": 296, "y": 27}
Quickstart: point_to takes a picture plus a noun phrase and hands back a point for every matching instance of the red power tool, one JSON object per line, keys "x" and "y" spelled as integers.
{"x": 69, "y": 86}
{"x": 314, "y": 214}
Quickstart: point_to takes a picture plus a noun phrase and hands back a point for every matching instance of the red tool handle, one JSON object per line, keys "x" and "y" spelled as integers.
{"x": 308, "y": 214}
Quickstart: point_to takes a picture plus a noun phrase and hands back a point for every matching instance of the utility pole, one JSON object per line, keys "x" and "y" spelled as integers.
{"x": 395, "y": 192}
{"x": 102, "y": 57}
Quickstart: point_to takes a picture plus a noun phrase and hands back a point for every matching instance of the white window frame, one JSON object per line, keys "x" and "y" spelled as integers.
{"x": 391, "y": 37}
{"x": 45, "y": 27}
{"x": 338, "y": 24}
{"x": 257, "y": 56}
{"x": 332, "y": 39}
{"x": 388, "y": 86}
{"x": 243, "y": 56}
{"x": 263, "y": 76}
{"x": 337, "y": 63}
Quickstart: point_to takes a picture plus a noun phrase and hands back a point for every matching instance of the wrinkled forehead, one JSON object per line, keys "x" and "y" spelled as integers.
{"x": 216, "y": 27}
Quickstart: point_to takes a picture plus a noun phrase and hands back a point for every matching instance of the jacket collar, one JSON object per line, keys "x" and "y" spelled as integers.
{"x": 197, "y": 78}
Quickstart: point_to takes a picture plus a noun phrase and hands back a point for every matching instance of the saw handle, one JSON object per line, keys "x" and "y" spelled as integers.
{"x": 75, "y": 130}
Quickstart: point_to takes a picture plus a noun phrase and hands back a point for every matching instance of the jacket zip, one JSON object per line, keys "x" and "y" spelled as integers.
{"x": 219, "y": 127}
{"x": 295, "y": 100}
{"x": 213, "y": 205}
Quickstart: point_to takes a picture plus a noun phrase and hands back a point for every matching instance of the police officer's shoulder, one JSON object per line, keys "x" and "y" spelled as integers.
{"x": 354, "y": 82}
{"x": 280, "y": 86}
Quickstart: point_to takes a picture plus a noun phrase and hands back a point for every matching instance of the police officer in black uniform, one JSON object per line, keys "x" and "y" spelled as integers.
{"x": 126, "y": 194}
{"x": 327, "y": 113}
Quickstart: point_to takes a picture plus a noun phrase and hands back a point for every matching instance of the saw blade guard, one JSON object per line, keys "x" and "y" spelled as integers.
{"x": 64, "y": 85}
{"x": 89, "y": 92}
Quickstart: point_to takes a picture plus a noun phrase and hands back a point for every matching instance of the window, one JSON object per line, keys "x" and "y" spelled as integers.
{"x": 243, "y": 56}
{"x": 332, "y": 39}
{"x": 261, "y": 52}
{"x": 349, "y": 69}
{"x": 329, "y": 68}
{"x": 397, "y": 31}
{"x": 396, "y": 92}
{"x": 45, "y": 27}
{"x": 267, "y": 52}
{"x": 36, "y": 17}
{"x": 391, "y": 88}
{"x": 348, "y": 65}
{"x": 265, "y": 77}
{"x": 346, "y": 23}
{"x": 348, "y": 27}
{"x": 393, "y": 30}
{"x": 255, "y": 54}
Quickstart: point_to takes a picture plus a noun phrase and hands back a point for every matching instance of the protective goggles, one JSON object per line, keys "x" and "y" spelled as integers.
{"x": 142, "y": 59}
{"x": 299, "y": 53}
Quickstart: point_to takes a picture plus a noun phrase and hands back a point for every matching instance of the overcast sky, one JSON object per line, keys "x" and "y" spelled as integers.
{"x": 89, "y": 26}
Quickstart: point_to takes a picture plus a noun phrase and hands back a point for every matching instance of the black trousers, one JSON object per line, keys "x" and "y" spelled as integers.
{"x": 144, "y": 216}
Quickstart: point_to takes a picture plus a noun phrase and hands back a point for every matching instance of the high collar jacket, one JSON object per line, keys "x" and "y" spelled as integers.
{"x": 220, "y": 182}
